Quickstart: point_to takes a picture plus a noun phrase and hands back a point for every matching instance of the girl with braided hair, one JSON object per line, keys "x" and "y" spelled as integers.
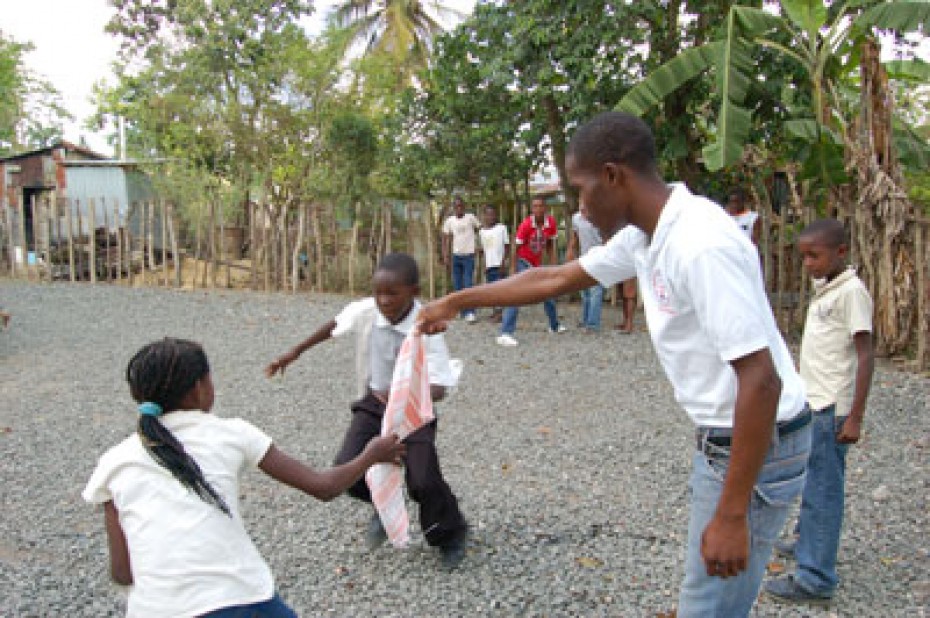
{"x": 171, "y": 493}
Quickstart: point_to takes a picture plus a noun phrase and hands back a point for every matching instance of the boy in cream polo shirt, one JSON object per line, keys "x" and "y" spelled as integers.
{"x": 716, "y": 338}
{"x": 836, "y": 365}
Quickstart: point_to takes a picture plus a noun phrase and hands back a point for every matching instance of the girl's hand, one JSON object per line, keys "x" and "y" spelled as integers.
{"x": 850, "y": 432}
{"x": 386, "y": 449}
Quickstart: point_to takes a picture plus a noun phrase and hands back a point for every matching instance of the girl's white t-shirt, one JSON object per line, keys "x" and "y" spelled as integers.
{"x": 187, "y": 556}
{"x": 493, "y": 242}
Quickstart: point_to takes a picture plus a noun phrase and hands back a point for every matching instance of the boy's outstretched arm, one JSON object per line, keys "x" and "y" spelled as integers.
{"x": 280, "y": 364}
{"x": 531, "y": 286}
{"x": 329, "y": 483}
{"x": 852, "y": 427}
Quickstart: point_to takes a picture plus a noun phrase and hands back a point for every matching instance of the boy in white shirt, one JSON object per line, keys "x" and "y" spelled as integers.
{"x": 836, "y": 365}
{"x": 494, "y": 243}
{"x": 459, "y": 240}
{"x": 381, "y": 323}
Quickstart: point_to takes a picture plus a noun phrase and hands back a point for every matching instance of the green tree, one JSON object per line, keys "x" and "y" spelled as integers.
{"x": 402, "y": 31}
{"x": 31, "y": 110}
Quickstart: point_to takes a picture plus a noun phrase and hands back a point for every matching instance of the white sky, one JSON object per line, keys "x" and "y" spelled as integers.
{"x": 73, "y": 52}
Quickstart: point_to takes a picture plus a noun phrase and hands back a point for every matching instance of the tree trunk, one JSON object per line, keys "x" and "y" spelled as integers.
{"x": 884, "y": 215}
{"x": 555, "y": 127}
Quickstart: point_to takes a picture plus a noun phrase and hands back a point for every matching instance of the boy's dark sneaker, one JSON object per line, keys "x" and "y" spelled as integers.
{"x": 786, "y": 590}
{"x": 784, "y": 548}
{"x": 453, "y": 552}
{"x": 375, "y": 536}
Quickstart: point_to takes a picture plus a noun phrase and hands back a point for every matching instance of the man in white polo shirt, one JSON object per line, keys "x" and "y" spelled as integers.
{"x": 715, "y": 336}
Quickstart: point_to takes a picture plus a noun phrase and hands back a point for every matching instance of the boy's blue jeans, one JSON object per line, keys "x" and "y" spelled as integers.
{"x": 463, "y": 274}
{"x": 509, "y": 321}
{"x": 779, "y": 483}
{"x": 592, "y": 300}
{"x": 822, "y": 503}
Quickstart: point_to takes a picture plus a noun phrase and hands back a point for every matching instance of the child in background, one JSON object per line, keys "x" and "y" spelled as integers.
{"x": 174, "y": 536}
{"x": 381, "y": 324}
{"x": 494, "y": 243}
{"x": 836, "y": 366}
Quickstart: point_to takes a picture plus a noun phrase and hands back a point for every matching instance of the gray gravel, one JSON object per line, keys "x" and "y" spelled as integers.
{"x": 568, "y": 454}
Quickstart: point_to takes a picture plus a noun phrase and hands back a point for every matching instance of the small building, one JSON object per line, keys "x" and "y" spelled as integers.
{"x": 50, "y": 183}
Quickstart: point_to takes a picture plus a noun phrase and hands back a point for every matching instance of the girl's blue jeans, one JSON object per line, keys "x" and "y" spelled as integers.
{"x": 779, "y": 483}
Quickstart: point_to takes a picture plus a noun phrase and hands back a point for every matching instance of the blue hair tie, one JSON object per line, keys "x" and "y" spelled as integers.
{"x": 148, "y": 408}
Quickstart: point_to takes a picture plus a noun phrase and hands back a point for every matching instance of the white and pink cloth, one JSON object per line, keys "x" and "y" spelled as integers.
{"x": 409, "y": 407}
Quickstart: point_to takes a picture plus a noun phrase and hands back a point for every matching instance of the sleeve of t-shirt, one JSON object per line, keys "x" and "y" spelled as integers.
{"x": 611, "y": 262}
{"x": 720, "y": 287}
{"x": 505, "y": 236}
{"x": 474, "y": 222}
{"x": 253, "y": 441}
{"x": 858, "y": 308}
{"x": 437, "y": 361}
{"x": 97, "y": 490}
{"x": 351, "y": 315}
{"x": 447, "y": 226}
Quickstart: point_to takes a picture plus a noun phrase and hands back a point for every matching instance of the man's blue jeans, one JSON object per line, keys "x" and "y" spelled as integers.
{"x": 779, "y": 483}
{"x": 822, "y": 504}
{"x": 509, "y": 322}
{"x": 492, "y": 274}
{"x": 592, "y": 300}
{"x": 463, "y": 274}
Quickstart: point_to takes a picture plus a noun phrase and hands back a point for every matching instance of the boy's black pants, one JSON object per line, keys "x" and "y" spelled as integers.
{"x": 440, "y": 518}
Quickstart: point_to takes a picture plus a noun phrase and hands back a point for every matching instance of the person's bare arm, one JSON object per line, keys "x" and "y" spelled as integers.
{"x": 120, "y": 567}
{"x": 725, "y": 542}
{"x": 328, "y": 483}
{"x": 572, "y": 246}
{"x": 531, "y": 286}
{"x": 851, "y": 430}
{"x": 553, "y": 251}
{"x": 280, "y": 364}
{"x": 756, "y": 232}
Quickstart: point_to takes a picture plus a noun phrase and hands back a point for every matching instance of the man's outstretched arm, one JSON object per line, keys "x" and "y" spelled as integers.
{"x": 531, "y": 286}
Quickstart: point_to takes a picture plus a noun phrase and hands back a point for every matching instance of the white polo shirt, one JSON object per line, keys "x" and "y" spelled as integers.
{"x": 705, "y": 304}
{"x": 188, "y": 558}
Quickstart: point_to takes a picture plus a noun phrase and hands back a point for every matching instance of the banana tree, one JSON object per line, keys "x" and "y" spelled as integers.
{"x": 817, "y": 35}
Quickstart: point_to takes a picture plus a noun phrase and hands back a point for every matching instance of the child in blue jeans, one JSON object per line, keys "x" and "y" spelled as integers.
{"x": 836, "y": 366}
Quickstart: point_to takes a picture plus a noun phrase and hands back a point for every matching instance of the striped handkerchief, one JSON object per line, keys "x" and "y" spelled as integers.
{"x": 409, "y": 407}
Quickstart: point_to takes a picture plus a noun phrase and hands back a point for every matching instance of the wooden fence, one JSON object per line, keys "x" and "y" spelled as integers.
{"x": 144, "y": 243}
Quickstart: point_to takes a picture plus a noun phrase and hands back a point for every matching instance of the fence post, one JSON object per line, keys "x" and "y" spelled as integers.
{"x": 174, "y": 247}
{"x": 54, "y": 225}
{"x": 117, "y": 223}
{"x": 70, "y": 223}
{"x": 8, "y": 216}
{"x": 92, "y": 239}
{"x": 923, "y": 324}
{"x": 164, "y": 242}
{"x": 106, "y": 241}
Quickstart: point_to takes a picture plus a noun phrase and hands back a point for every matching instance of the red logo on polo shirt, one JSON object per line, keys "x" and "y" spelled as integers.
{"x": 662, "y": 294}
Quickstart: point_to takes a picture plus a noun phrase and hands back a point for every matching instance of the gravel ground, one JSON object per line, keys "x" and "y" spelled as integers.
{"x": 568, "y": 454}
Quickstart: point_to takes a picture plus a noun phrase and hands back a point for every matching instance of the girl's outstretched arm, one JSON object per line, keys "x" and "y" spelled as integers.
{"x": 120, "y": 569}
{"x": 329, "y": 483}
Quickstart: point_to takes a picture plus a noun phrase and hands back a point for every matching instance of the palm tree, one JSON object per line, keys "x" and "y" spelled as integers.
{"x": 401, "y": 30}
